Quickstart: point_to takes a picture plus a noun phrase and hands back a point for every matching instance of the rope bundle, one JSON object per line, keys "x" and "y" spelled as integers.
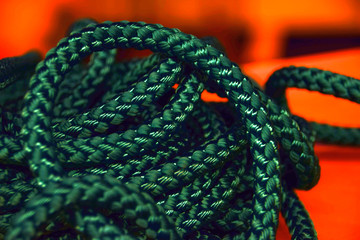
{"x": 109, "y": 150}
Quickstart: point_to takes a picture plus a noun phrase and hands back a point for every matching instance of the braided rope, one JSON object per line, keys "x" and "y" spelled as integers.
{"x": 109, "y": 150}
{"x": 322, "y": 81}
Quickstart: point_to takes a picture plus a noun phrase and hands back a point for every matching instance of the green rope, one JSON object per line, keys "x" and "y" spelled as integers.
{"x": 110, "y": 150}
{"x": 322, "y": 81}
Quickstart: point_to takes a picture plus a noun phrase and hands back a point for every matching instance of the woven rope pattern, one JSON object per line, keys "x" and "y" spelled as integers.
{"x": 322, "y": 81}
{"x": 109, "y": 150}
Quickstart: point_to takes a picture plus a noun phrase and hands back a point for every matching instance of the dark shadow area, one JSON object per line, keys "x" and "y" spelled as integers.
{"x": 297, "y": 44}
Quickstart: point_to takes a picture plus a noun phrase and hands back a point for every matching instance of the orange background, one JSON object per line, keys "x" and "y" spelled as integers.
{"x": 256, "y": 34}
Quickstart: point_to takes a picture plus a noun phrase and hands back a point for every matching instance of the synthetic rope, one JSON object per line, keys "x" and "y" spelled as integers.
{"x": 110, "y": 150}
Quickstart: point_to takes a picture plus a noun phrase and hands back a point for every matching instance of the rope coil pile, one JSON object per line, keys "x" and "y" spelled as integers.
{"x": 110, "y": 150}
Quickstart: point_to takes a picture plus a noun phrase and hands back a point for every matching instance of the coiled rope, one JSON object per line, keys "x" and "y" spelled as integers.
{"x": 109, "y": 150}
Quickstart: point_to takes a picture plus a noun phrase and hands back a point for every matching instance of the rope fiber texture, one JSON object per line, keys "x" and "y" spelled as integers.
{"x": 108, "y": 149}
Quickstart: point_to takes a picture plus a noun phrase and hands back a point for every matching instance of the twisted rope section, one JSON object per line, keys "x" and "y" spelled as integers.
{"x": 104, "y": 194}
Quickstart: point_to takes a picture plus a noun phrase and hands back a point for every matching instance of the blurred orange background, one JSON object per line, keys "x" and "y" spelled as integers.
{"x": 261, "y": 36}
{"x": 250, "y": 30}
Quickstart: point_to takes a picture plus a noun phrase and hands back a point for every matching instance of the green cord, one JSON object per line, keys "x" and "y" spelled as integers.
{"x": 109, "y": 150}
{"x": 322, "y": 81}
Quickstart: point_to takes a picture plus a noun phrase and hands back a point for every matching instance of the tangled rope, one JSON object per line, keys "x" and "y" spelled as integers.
{"x": 110, "y": 150}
